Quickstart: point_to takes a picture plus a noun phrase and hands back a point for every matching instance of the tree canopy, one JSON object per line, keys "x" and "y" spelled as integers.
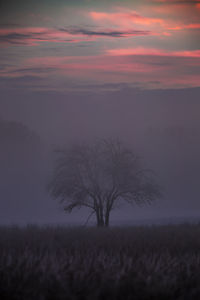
{"x": 99, "y": 176}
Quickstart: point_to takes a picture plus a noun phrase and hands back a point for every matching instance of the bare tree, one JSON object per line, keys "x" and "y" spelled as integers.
{"x": 100, "y": 176}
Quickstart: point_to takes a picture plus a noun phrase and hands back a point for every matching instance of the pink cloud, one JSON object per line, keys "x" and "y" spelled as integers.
{"x": 185, "y": 26}
{"x": 189, "y": 2}
{"x": 122, "y": 18}
{"x": 84, "y": 63}
{"x": 125, "y": 18}
{"x": 192, "y": 26}
{"x": 149, "y": 67}
{"x": 153, "y": 52}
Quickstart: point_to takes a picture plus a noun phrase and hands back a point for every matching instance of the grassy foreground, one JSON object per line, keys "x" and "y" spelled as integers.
{"x": 159, "y": 262}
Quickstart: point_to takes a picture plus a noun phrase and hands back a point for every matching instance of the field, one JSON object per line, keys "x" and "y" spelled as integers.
{"x": 157, "y": 262}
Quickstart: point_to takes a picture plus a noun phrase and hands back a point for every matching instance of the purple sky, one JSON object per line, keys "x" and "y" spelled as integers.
{"x": 81, "y": 69}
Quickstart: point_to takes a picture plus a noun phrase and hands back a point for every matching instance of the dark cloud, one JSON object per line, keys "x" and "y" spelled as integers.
{"x": 8, "y": 25}
{"x": 15, "y": 38}
{"x": 109, "y": 33}
{"x": 18, "y": 37}
{"x": 20, "y": 82}
{"x": 34, "y": 70}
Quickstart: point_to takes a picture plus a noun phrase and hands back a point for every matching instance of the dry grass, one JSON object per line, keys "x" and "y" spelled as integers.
{"x": 160, "y": 262}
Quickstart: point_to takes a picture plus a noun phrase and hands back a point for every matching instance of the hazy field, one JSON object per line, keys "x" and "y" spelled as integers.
{"x": 159, "y": 262}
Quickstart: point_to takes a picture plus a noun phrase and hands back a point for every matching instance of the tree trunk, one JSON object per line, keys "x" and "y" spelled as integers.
{"x": 100, "y": 223}
{"x": 100, "y": 220}
{"x": 107, "y": 218}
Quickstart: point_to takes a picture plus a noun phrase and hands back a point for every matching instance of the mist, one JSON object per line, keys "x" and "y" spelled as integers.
{"x": 161, "y": 126}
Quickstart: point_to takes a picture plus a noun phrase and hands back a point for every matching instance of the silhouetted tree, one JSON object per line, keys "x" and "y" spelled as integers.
{"x": 99, "y": 176}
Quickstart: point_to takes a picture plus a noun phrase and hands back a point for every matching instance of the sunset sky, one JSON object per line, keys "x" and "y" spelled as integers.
{"x": 73, "y": 70}
{"x": 64, "y": 45}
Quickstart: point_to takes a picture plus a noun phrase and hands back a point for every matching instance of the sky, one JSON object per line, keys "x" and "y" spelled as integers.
{"x": 69, "y": 45}
{"x": 85, "y": 69}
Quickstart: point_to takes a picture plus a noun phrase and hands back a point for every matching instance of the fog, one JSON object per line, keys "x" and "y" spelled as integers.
{"x": 162, "y": 126}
